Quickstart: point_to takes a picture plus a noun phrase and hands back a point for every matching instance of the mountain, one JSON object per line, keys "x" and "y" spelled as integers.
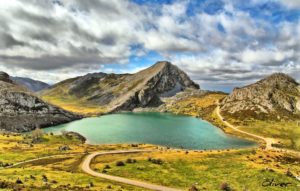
{"x": 115, "y": 92}
{"x": 276, "y": 96}
{"x": 33, "y": 85}
{"x": 21, "y": 110}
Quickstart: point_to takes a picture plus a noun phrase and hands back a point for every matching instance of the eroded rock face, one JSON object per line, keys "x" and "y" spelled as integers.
{"x": 275, "y": 94}
{"x": 168, "y": 79}
{"x": 164, "y": 79}
{"x": 21, "y": 111}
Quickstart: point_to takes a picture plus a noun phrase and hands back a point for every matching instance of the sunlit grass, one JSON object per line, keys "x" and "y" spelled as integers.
{"x": 243, "y": 169}
{"x": 287, "y": 132}
{"x": 63, "y": 171}
{"x": 75, "y": 105}
{"x": 196, "y": 105}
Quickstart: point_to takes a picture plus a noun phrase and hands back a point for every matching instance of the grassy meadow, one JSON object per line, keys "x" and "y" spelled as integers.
{"x": 61, "y": 172}
{"x": 239, "y": 169}
{"x": 287, "y": 133}
{"x": 245, "y": 169}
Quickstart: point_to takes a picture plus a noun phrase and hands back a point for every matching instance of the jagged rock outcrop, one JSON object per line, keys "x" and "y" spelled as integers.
{"x": 116, "y": 92}
{"x": 22, "y": 111}
{"x": 277, "y": 96}
{"x": 33, "y": 85}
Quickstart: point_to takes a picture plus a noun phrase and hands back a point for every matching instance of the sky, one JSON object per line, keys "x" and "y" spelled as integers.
{"x": 220, "y": 44}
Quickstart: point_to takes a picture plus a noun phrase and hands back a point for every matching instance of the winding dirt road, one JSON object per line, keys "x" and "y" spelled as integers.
{"x": 86, "y": 168}
{"x": 268, "y": 141}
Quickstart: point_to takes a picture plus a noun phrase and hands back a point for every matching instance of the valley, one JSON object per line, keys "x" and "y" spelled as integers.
{"x": 154, "y": 104}
{"x": 141, "y": 95}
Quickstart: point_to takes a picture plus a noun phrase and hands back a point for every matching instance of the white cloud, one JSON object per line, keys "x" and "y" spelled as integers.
{"x": 295, "y": 4}
{"x": 264, "y": 56}
{"x": 54, "y": 41}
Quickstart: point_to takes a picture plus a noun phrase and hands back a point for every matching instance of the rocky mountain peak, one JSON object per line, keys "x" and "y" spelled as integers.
{"x": 163, "y": 79}
{"x": 278, "y": 79}
{"x": 275, "y": 95}
{"x": 163, "y": 64}
{"x": 165, "y": 69}
{"x": 115, "y": 92}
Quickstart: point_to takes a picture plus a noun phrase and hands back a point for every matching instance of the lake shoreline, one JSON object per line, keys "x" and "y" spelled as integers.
{"x": 186, "y": 145}
{"x": 236, "y": 134}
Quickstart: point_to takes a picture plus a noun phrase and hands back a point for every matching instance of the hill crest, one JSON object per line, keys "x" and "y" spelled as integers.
{"x": 276, "y": 96}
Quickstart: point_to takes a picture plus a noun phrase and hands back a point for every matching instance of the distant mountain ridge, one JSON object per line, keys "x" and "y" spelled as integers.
{"x": 33, "y": 85}
{"x": 278, "y": 95}
{"x": 22, "y": 111}
{"x": 116, "y": 92}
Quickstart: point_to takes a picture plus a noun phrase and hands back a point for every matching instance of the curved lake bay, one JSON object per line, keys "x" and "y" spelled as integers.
{"x": 153, "y": 128}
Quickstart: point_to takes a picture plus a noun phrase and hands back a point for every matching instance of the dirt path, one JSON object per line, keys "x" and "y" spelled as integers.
{"x": 268, "y": 141}
{"x": 86, "y": 168}
{"x": 41, "y": 158}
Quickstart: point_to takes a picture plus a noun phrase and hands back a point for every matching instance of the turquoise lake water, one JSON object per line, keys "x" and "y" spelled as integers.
{"x": 154, "y": 128}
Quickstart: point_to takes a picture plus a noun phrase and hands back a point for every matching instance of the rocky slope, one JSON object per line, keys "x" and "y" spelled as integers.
{"x": 21, "y": 111}
{"x": 198, "y": 103}
{"x": 33, "y": 85}
{"x": 276, "y": 96}
{"x": 116, "y": 92}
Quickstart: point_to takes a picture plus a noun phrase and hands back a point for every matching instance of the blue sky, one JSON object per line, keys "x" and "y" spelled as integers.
{"x": 221, "y": 44}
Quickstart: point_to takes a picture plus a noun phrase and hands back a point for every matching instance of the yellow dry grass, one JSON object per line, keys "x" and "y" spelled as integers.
{"x": 75, "y": 105}
{"x": 241, "y": 169}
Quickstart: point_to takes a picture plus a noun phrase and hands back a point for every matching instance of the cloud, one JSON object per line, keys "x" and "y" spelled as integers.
{"x": 265, "y": 57}
{"x": 295, "y": 4}
{"x": 216, "y": 42}
{"x": 8, "y": 41}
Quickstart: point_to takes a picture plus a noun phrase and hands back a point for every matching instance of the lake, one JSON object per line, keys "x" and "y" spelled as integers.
{"x": 154, "y": 128}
